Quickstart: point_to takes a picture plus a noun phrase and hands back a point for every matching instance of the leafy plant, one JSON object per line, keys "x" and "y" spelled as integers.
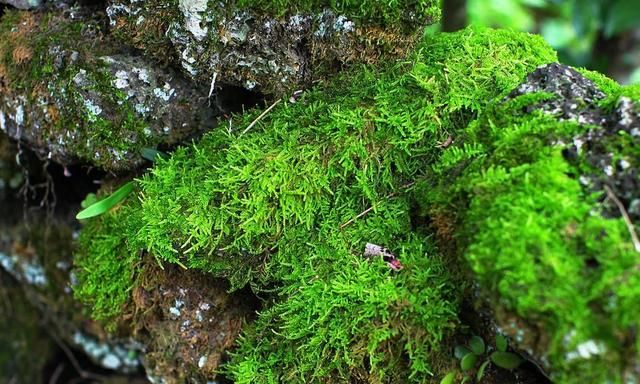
{"x": 474, "y": 351}
{"x": 94, "y": 208}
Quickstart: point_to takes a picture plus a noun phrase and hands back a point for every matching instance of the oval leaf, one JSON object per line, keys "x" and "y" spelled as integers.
{"x": 481, "y": 370}
{"x": 477, "y": 345}
{"x": 501, "y": 343}
{"x": 468, "y": 362}
{"x": 461, "y": 351}
{"x": 107, "y": 203}
{"x": 448, "y": 379}
{"x": 506, "y": 360}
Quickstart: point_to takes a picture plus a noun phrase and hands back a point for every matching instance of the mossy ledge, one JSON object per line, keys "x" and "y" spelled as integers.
{"x": 274, "y": 47}
{"x": 469, "y": 185}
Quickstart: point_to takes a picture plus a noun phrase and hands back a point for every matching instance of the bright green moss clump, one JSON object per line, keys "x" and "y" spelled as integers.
{"x": 273, "y": 207}
{"x": 388, "y": 12}
{"x": 537, "y": 241}
{"x": 105, "y": 279}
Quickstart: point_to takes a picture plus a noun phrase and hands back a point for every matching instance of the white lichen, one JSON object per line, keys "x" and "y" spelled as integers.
{"x": 192, "y": 11}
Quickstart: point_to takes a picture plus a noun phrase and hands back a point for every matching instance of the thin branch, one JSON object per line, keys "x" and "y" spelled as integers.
{"x": 363, "y": 213}
{"x": 625, "y": 216}
{"x": 56, "y": 374}
{"x": 76, "y": 365}
{"x": 262, "y": 115}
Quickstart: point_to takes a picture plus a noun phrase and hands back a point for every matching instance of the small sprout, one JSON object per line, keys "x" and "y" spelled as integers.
{"x": 468, "y": 362}
{"x": 506, "y": 360}
{"x": 501, "y": 343}
{"x": 477, "y": 349}
{"x": 477, "y": 345}
{"x": 448, "y": 379}
{"x": 104, "y": 205}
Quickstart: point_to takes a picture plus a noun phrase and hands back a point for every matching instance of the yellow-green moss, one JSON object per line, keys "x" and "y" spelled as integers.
{"x": 272, "y": 207}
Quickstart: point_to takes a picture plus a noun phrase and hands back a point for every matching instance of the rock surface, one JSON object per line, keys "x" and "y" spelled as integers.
{"x": 72, "y": 100}
{"x": 224, "y": 43}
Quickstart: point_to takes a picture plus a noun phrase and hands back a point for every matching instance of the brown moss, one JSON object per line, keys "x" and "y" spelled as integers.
{"x": 22, "y": 54}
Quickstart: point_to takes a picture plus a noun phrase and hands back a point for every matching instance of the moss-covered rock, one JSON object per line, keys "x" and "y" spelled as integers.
{"x": 543, "y": 199}
{"x": 287, "y": 202}
{"x": 274, "y": 47}
{"x": 71, "y": 99}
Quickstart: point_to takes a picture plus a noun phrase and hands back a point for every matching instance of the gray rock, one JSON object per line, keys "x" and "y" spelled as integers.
{"x": 23, "y": 4}
{"x": 95, "y": 103}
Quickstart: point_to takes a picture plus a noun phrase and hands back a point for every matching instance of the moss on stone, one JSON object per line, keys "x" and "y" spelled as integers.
{"x": 549, "y": 257}
{"x": 278, "y": 207}
{"x": 376, "y": 11}
{"x": 105, "y": 279}
{"x": 74, "y": 100}
{"x": 273, "y": 47}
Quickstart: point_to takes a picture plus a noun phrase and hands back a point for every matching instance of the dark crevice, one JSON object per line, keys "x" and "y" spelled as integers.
{"x": 233, "y": 99}
{"x": 74, "y": 366}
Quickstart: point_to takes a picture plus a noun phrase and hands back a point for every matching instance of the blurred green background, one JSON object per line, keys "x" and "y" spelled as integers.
{"x": 602, "y": 35}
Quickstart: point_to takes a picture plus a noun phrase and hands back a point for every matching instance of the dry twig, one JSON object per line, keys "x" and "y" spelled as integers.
{"x": 262, "y": 115}
{"x": 625, "y": 216}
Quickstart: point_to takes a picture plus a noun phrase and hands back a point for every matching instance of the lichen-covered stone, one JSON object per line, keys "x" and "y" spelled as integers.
{"x": 270, "y": 47}
{"x": 72, "y": 100}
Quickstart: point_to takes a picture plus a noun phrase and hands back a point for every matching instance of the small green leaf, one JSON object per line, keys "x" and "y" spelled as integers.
{"x": 448, "y": 379}
{"x": 477, "y": 345}
{"x": 461, "y": 351}
{"x": 501, "y": 343}
{"x": 481, "y": 370}
{"x": 468, "y": 362}
{"x": 152, "y": 154}
{"x": 102, "y": 206}
{"x": 506, "y": 360}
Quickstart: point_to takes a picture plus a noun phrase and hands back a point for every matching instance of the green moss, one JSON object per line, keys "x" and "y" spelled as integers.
{"x": 105, "y": 276}
{"x": 535, "y": 239}
{"x": 383, "y": 12}
{"x": 273, "y": 207}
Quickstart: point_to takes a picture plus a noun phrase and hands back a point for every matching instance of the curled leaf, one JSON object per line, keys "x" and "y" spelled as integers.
{"x": 481, "y": 370}
{"x": 104, "y": 205}
{"x": 152, "y": 154}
